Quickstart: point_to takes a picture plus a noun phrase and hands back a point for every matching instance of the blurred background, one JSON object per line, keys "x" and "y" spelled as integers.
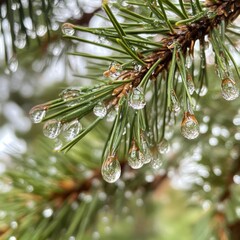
{"x": 199, "y": 196}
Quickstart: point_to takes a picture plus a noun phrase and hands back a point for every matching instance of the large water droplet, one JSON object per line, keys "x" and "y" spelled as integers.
{"x": 37, "y": 114}
{"x": 111, "y": 169}
{"x": 100, "y": 110}
{"x": 13, "y": 64}
{"x": 68, "y": 29}
{"x": 189, "y": 126}
{"x": 52, "y": 128}
{"x": 137, "y": 99}
{"x": 164, "y": 146}
{"x": 71, "y": 130}
{"x": 229, "y": 89}
{"x": 175, "y": 105}
{"x": 134, "y": 159}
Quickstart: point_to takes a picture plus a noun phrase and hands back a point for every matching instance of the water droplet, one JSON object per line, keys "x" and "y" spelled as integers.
{"x": 113, "y": 71}
{"x": 157, "y": 161}
{"x": 13, "y": 224}
{"x": 68, "y": 29}
{"x": 100, "y": 110}
{"x": 57, "y": 144}
{"x": 189, "y": 126}
{"x": 37, "y": 113}
{"x": 134, "y": 160}
{"x": 70, "y": 96}
{"x": 137, "y": 99}
{"x": 111, "y": 115}
{"x": 164, "y": 146}
{"x": 13, "y": 64}
{"x": 146, "y": 152}
{"x": 71, "y": 130}
{"x": 203, "y": 91}
{"x": 189, "y": 61}
{"x": 52, "y": 128}
{"x": 111, "y": 169}
{"x": 175, "y": 105}
{"x": 20, "y": 41}
{"x": 47, "y": 213}
{"x": 190, "y": 84}
{"x": 229, "y": 89}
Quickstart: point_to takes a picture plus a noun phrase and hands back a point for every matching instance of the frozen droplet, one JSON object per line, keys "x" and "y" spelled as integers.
{"x": 37, "y": 113}
{"x": 164, "y": 146}
{"x": 175, "y": 105}
{"x": 134, "y": 160}
{"x": 57, "y": 144}
{"x": 190, "y": 84}
{"x": 68, "y": 29}
{"x": 111, "y": 169}
{"x": 52, "y": 128}
{"x": 47, "y": 213}
{"x": 189, "y": 126}
{"x": 111, "y": 115}
{"x": 70, "y": 96}
{"x": 100, "y": 110}
{"x": 229, "y": 89}
{"x": 137, "y": 99}
{"x": 13, "y": 64}
{"x": 71, "y": 130}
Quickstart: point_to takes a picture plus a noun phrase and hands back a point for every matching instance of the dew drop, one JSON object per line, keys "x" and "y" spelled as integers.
{"x": 37, "y": 114}
{"x": 175, "y": 106}
{"x": 137, "y": 99}
{"x": 100, "y": 110}
{"x": 190, "y": 84}
{"x": 68, "y": 29}
{"x": 189, "y": 126}
{"x": 111, "y": 169}
{"x": 229, "y": 89}
{"x": 13, "y": 64}
{"x": 52, "y": 128}
{"x": 71, "y": 130}
{"x": 134, "y": 160}
{"x": 164, "y": 146}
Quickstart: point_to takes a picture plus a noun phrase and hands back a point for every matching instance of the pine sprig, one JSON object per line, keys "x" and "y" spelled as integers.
{"x": 137, "y": 64}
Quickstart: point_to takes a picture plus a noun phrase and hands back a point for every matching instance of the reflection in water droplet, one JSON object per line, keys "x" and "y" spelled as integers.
{"x": 68, "y": 29}
{"x": 137, "y": 99}
{"x": 111, "y": 169}
{"x": 229, "y": 89}
{"x": 37, "y": 114}
{"x": 52, "y": 128}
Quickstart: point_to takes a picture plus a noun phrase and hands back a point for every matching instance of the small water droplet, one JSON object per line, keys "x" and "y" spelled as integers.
{"x": 68, "y": 29}
{"x": 13, "y": 224}
{"x": 37, "y": 113}
{"x": 146, "y": 152}
{"x": 189, "y": 126}
{"x": 164, "y": 146}
{"x": 190, "y": 84}
{"x": 134, "y": 158}
{"x": 229, "y": 89}
{"x": 113, "y": 71}
{"x": 175, "y": 105}
{"x": 70, "y": 96}
{"x": 111, "y": 169}
{"x": 189, "y": 61}
{"x": 111, "y": 115}
{"x": 203, "y": 91}
{"x": 157, "y": 161}
{"x": 13, "y": 64}
{"x": 57, "y": 144}
{"x": 137, "y": 99}
{"x": 20, "y": 41}
{"x": 47, "y": 213}
{"x": 52, "y": 128}
{"x": 71, "y": 130}
{"x": 100, "y": 110}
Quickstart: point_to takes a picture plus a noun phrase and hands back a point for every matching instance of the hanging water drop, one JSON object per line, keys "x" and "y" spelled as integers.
{"x": 68, "y": 29}
{"x": 37, "y": 113}
{"x": 13, "y": 64}
{"x": 190, "y": 84}
{"x": 52, "y": 128}
{"x": 189, "y": 61}
{"x": 111, "y": 169}
{"x": 164, "y": 146}
{"x": 157, "y": 161}
{"x": 134, "y": 160}
{"x": 189, "y": 126}
{"x": 229, "y": 89}
{"x": 72, "y": 129}
{"x": 137, "y": 99}
{"x": 175, "y": 105}
{"x": 100, "y": 110}
{"x": 203, "y": 90}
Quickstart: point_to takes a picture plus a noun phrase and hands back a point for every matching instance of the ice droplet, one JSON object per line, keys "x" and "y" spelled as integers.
{"x": 68, "y": 29}
{"x": 137, "y": 99}
{"x": 52, "y": 128}
{"x": 100, "y": 110}
{"x": 189, "y": 126}
{"x": 37, "y": 114}
{"x": 229, "y": 90}
{"x": 72, "y": 129}
{"x": 134, "y": 160}
{"x": 13, "y": 64}
{"x": 164, "y": 146}
{"x": 111, "y": 169}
